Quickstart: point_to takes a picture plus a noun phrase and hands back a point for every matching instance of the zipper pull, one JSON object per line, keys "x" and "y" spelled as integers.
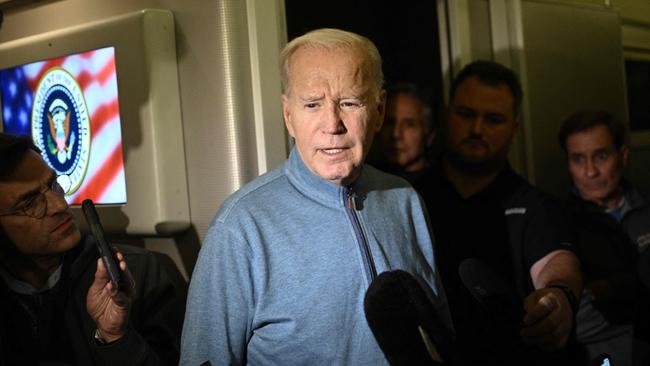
{"x": 351, "y": 201}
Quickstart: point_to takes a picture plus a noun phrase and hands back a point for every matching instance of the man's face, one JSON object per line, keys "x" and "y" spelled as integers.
{"x": 480, "y": 125}
{"x": 595, "y": 165}
{"x": 332, "y": 110}
{"x": 403, "y": 135}
{"x": 55, "y": 233}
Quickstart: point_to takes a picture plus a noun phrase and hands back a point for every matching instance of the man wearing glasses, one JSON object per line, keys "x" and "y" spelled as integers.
{"x": 56, "y": 300}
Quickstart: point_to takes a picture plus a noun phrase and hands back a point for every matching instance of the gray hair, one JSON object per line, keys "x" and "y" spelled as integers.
{"x": 329, "y": 39}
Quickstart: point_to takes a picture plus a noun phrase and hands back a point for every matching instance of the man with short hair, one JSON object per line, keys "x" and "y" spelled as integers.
{"x": 482, "y": 209}
{"x": 406, "y": 135}
{"x": 285, "y": 265}
{"x": 57, "y": 303}
{"x": 407, "y": 131}
{"x": 611, "y": 221}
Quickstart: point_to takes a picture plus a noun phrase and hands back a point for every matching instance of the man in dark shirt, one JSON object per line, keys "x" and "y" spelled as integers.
{"x": 57, "y": 304}
{"x": 481, "y": 209}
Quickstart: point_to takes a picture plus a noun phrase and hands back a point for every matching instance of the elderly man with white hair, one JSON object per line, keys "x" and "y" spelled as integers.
{"x": 285, "y": 265}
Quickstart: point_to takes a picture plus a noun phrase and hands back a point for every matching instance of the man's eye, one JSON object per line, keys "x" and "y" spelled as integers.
{"x": 311, "y": 105}
{"x": 464, "y": 113}
{"x": 26, "y": 204}
{"x": 494, "y": 119}
{"x": 349, "y": 104}
{"x": 411, "y": 123}
{"x": 576, "y": 159}
{"x": 602, "y": 156}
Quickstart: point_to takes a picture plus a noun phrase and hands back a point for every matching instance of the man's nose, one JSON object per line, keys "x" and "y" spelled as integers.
{"x": 476, "y": 126}
{"x": 591, "y": 170}
{"x": 55, "y": 202}
{"x": 332, "y": 122}
{"x": 397, "y": 130}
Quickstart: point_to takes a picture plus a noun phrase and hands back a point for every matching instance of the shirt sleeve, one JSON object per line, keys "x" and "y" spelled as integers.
{"x": 219, "y": 313}
{"x": 156, "y": 315}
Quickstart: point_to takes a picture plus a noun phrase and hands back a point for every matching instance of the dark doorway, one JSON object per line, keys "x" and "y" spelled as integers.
{"x": 406, "y": 33}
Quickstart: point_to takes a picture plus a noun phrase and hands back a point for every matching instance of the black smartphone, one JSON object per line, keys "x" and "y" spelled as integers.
{"x": 105, "y": 251}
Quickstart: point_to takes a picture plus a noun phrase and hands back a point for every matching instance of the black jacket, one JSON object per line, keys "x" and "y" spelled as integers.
{"x": 610, "y": 252}
{"x": 155, "y": 320}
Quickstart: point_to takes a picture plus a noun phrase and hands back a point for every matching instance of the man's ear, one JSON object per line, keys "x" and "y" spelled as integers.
{"x": 624, "y": 151}
{"x": 286, "y": 114}
{"x": 381, "y": 110}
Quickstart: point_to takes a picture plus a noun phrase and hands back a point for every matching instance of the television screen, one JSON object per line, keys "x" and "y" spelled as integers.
{"x": 69, "y": 106}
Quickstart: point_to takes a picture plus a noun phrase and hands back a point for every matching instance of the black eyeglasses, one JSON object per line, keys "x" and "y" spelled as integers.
{"x": 36, "y": 206}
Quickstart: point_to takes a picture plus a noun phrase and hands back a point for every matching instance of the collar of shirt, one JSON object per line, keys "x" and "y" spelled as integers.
{"x": 317, "y": 188}
{"x": 25, "y": 288}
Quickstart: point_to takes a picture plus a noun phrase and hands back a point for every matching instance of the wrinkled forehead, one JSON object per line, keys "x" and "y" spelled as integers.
{"x": 492, "y": 98}
{"x": 596, "y": 137}
{"x": 405, "y": 104}
{"x": 342, "y": 64}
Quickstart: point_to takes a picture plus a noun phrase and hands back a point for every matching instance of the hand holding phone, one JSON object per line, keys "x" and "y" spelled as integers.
{"x": 105, "y": 250}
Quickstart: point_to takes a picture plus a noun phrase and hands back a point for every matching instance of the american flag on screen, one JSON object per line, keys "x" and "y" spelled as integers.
{"x": 69, "y": 105}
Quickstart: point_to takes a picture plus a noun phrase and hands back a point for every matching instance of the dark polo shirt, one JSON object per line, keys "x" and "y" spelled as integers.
{"x": 483, "y": 226}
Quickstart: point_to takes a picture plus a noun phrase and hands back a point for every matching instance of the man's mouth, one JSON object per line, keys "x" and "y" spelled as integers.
{"x": 594, "y": 187}
{"x": 475, "y": 142}
{"x": 63, "y": 224}
{"x": 332, "y": 151}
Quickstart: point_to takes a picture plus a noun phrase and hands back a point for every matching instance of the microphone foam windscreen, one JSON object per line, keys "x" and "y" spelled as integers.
{"x": 395, "y": 306}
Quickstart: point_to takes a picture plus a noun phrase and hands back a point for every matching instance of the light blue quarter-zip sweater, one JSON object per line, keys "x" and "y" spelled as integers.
{"x": 284, "y": 267}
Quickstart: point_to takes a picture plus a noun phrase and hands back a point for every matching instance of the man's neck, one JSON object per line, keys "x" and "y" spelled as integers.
{"x": 416, "y": 165}
{"x": 33, "y": 270}
{"x": 467, "y": 184}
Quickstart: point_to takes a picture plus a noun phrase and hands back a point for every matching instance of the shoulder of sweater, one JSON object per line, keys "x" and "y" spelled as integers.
{"x": 260, "y": 188}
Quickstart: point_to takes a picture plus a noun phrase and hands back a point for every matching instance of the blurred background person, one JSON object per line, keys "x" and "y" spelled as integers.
{"x": 611, "y": 222}
{"x": 405, "y": 140}
{"x": 407, "y": 132}
{"x": 482, "y": 211}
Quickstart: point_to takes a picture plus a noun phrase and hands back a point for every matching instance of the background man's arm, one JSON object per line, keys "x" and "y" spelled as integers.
{"x": 549, "y": 312}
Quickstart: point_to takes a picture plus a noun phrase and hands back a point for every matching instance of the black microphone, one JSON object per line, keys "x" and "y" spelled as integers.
{"x": 404, "y": 321}
{"x": 104, "y": 248}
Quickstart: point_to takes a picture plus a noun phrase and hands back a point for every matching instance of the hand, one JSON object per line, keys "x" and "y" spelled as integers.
{"x": 548, "y": 320}
{"x": 107, "y": 305}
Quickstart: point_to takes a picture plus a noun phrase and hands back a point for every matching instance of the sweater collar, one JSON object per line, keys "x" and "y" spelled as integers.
{"x": 316, "y": 187}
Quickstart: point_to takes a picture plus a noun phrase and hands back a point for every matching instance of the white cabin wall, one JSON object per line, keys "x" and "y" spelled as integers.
{"x": 227, "y": 54}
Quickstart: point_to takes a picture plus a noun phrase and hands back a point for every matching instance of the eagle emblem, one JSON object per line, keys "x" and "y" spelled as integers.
{"x": 59, "y": 118}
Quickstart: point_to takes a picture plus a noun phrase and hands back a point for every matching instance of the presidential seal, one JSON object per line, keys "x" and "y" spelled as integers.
{"x": 61, "y": 125}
